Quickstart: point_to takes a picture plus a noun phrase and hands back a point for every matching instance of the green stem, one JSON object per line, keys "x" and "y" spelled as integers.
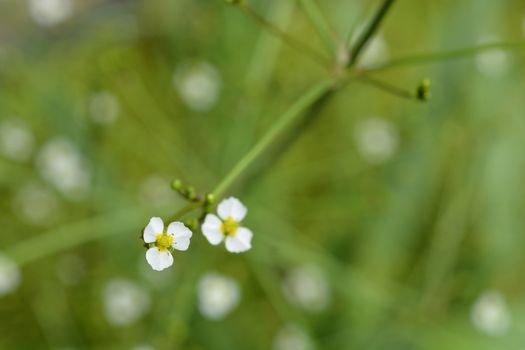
{"x": 445, "y": 55}
{"x": 369, "y": 31}
{"x": 386, "y": 87}
{"x": 314, "y": 14}
{"x": 292, "y": 42}
{"x": 301, "y": 105}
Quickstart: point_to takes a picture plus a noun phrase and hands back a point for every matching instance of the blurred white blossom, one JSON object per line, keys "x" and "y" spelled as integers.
{"x": 48, "y": 13}
{"x": 292, "y": 337}
{"x": 490, "y": 314}
{"x": 71, "y": 269}
{"x": 376, "y": 139}
{"x": 104, "y": 108}
{"x": 217, "y": 295}
{"x": 36, "y": 205}
{"x": 163, "y": 241}
{"x": 198, "y": 85}
{"x": 124, "y": 302}
{"x": 156, "y": 191}
{"x": 307, "y": 287}
{"x": 61, "y": 164}
{"x": 10, "y": 275}
{"x": 492, "y": 63}
{"x": 227, "y": 226}
{"x": 16, "y": 140}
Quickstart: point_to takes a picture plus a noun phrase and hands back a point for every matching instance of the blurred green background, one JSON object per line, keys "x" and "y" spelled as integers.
{"x": 387, "y": 224}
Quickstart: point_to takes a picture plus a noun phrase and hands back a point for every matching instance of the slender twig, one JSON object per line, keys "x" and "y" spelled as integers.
{"x": 369, "y": 31}
{"x": 300, "y": 106}
{"x": 314, "y": 14}
{"x": 386, "y": 86}
{"x": 445, "y": 55}
{"x": 291, "y": 41}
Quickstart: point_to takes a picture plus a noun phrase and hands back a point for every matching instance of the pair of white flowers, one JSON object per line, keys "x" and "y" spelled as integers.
{"x": 224, "y": 227}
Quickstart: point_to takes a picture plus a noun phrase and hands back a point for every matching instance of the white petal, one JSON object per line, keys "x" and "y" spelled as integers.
{"x": 159, "y": 260}
{"x": 211, "y": 228}
{"x": 179, "y": 230}
{"x": 181, "y": 243}
{"x": 155, "y": 226}
{"x": 241, "y": 242}
{"x": 232, "y": 207}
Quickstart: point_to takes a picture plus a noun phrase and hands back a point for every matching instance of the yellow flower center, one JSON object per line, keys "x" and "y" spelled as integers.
{"x": 163, "y": 241}
{"x": 229, "y": 226}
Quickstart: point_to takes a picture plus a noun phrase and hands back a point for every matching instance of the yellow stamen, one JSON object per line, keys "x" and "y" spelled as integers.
{"x": 163, "y": 241}
{"x": 229, "y": 226}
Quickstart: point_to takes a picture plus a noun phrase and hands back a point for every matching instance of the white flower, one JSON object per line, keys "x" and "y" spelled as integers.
{"x": 492, "y": 63}
{"x": 376, "y": 139}
{"x": 307, "y": 287}
{"x": 177, "y": 236}
{"x": 124, "y": 302}
{"x": 490, "y": 314}
{"x": 16, "y": 140}
{"x": 48, "y": 13}
{"x": 198, "y": 85}
{"x": 60, "y": 163}
{"x": 217, "y": 295}
{"x": 227, "y": 226}
{"x": 36, "y": 205}
{"x": 292, "y": 337}
{"x": 104, "y": 108}
{"x": 9, "y": 275}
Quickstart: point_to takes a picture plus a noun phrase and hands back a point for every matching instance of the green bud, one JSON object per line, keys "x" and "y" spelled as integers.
{"x": 209, "y": 199}
{"x": 423, "y": 90}
{"x": 176, "y": 185}
{"x": 191, "y": 193}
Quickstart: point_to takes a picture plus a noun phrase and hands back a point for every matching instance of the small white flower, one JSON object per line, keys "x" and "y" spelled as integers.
{"x": 376, "y": 139}
{"x": 307, "y": 287}
{"x": 104, "y": 108}
{"x": 198, "y": 85}
{"x": 227, "y": 226}
{"x": 124, "y": 302}
{"x": 48, "y": 13}
{"x": 492, "y": 63}
{"x": 490, "y": 314}
{"x": 16, "y": 140}
{"x": 217, "y": 295}
{"x": 177, "y": 236}
{"x": 9, "y": 275}
{"x": 292, "y": 337}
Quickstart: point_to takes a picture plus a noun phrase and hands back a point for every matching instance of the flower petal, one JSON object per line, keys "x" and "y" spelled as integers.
{"x": 211, "y": 228}
{"x": 241, "y": 242}
{"x": 155, "y": 226}
{"x": 232, "y": 207}
{"x": 181, "y": 243}
{"x": 159, "y": 260}
{"x": 178, "y": 229}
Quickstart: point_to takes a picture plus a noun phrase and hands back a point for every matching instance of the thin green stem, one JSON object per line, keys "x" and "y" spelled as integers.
{"x": 291, "y": 41}
{"x": 445, "y": 55}
{"x": 314, "y": 14}
{"x": 296, "y": 110}
{"x": 397, "y": 91}
{"x": 370, "y": 29}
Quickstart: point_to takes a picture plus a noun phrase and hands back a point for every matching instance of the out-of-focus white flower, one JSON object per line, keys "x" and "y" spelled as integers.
{"x": 162, "y": 243}
{"x": 16, "y": 140}
{"x": 156, "y": 191}
{"x": 307, "y": 287}
{"x": 9, "y": 275}
{"x": 376, "y": 50}
{"x": 492, "y": 63}
{"x": 48, "y": 13}
{"x": 217, "y": 295}
{"x": 71, "y": 269}
{"x": 36, "y": 205}
{"x": 490, "y": 314}
{"x": 227, "y": 226}
{"x": 292, "y": 337}
{"x": 198, "y": 84}
{"x": 104, "y": 108}
{"x": 60, "y": 163}
{"x": 376, "y": 139}
{"x": 124, "y": 302}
